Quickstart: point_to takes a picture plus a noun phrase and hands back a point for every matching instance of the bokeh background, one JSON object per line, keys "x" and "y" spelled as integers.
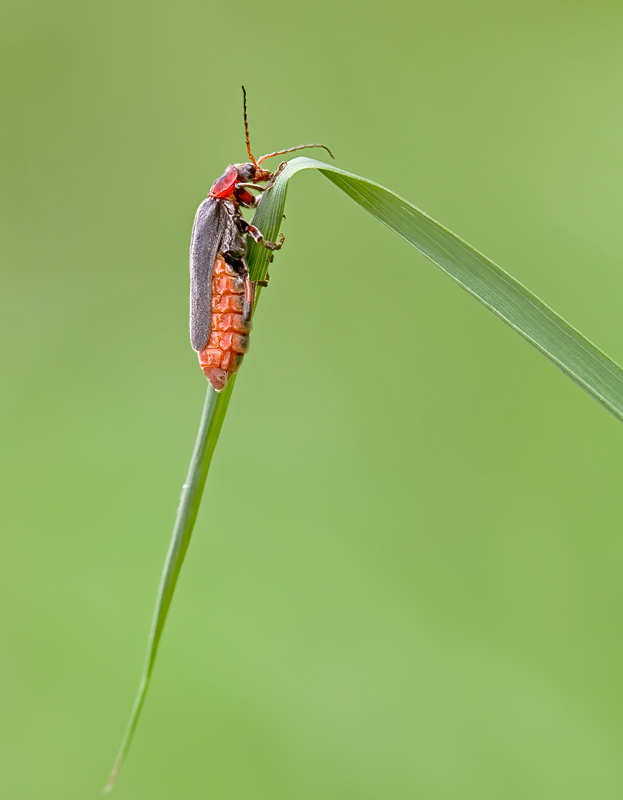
{"x": 405, "y": 580}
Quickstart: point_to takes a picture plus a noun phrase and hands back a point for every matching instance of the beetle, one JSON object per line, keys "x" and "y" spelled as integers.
{"x": 221, "y": 291}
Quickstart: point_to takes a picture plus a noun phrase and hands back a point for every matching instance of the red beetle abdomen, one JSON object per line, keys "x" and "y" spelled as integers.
{"x": 229, "y": 333}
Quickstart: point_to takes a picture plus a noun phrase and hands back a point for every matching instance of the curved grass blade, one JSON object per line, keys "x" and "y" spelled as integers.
{"x": 523, "y": 311}
{"x": 578, "y": 358}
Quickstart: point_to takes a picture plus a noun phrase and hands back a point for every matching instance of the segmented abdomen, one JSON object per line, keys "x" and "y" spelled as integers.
{"x": 229, "y": 333}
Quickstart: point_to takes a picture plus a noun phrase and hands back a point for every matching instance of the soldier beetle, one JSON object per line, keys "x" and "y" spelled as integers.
{"x": 221, "y": 291}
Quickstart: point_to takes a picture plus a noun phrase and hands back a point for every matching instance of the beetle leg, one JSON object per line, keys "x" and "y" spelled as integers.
{"x": 257, "y": 236}
{"x": 246, "y": 197}
{"x": 273, "y": 177}
{"x": 252, "y": 186}
{"x": 263, "y": 283}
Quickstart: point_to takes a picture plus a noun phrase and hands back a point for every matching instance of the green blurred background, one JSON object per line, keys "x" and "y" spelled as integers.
{"x": 405, "y": 580}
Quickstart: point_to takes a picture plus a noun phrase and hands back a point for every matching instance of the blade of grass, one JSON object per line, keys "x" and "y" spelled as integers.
{"x": 523, "y": 311}
{"x": 212, "y": 417}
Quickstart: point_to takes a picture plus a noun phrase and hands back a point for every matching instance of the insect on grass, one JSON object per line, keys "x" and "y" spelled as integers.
{"x": 221, "y": 291}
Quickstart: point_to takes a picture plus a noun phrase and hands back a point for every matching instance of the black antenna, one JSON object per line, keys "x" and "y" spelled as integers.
{"x": 246, "y": 125}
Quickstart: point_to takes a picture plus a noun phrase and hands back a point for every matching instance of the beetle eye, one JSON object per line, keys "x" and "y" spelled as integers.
{"x": 246, "y": 171}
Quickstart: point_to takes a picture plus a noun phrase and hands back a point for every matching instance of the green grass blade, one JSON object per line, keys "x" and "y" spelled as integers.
{"x": 211, "y": 421}
{"x": 523, "y": 311}
{"x": 578, "y": 358}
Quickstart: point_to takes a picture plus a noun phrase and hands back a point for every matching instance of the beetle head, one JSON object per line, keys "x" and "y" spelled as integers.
{"x": 246, "y": 172}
